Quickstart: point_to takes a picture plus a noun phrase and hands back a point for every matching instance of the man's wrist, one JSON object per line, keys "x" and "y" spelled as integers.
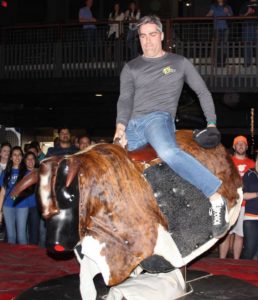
{"x": 211, "y": 123}
{"x": 120, "y": 126}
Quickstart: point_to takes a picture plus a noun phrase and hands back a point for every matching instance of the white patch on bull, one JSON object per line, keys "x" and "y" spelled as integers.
{"x": 44, "y": 187}
{"x": 88, "y": 270}
{"x": 166, "y": 247}
{"x": 92, "y": 248}
{"x": 62, "y": 215}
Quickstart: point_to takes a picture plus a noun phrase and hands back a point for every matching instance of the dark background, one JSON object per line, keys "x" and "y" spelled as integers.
{"x": 54, "y": 11}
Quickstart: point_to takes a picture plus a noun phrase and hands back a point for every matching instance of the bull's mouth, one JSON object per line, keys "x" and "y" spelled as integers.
{"x": 62, "y": 230}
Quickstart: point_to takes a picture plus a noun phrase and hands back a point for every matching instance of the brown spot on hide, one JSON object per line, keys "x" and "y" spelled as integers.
{"x": 49, "y": 168}
{"x": 117, "y": 208}
{"x": 218, "y": 161}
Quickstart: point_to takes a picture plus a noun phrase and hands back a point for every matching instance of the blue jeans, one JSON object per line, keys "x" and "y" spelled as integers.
{"x": 16, "y": 224}
{"x": 158, "y": 129}
{"x": 250, "y": 239}
{"x": 33, "y": 225}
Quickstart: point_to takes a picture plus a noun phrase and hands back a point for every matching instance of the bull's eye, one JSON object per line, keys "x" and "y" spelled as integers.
{"x": 66, "y": 169}
{"x": 67, "y": 195}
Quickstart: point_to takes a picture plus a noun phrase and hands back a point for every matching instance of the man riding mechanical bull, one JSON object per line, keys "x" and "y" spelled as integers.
{"x": 142, "y": 210}
{"x": 150, "y": 87}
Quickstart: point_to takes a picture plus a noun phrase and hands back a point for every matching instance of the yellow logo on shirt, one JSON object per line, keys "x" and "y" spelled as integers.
{"x": 168, "y": 70}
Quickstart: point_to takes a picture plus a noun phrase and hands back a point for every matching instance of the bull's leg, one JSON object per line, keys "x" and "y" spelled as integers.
{"x": 88, "y": 270}
{"x": 166, "y": 247}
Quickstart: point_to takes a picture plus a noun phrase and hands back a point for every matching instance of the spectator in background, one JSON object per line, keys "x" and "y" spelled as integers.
{"x": 15, "y": 212}
{"x": 29, "y": 164}
{"x": 115, "y": 15}
{"x": 249, "y": 30}
{"x": 75, "y": 141}
{"x": 132, "y": 14}
{"x": 64, "y": 146}
{"x": 32, "y": 148}
{"x": 25, "y": 147}
{"x": 220, "y": 9}
{"x": 40, "y": 153}
{"x": 85, "y": 15}
{"x": 5, "y": 152}
{"x": 250, "y": 190}
{"x": 243, "y": 164}
{"x": 84, "y": 142}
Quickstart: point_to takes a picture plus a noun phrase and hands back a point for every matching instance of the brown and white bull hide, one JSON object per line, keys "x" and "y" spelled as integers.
{"x": 120, "y": 222}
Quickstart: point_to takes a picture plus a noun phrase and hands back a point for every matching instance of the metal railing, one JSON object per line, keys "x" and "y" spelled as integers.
{"x": 227, "y": 60}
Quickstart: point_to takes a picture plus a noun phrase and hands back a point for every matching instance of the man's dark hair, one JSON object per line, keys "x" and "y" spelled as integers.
{"x": 32, "y": 147}
{"x": 35, "y": 145}
{"x": 83, "y": 136}
{"x": 61, "y": 128}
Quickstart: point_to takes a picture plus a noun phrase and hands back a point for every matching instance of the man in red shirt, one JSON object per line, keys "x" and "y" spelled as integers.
{"x": 243, "y": 164}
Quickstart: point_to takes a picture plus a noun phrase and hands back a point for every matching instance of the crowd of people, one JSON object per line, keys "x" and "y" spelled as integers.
{"x": 130, "y": 16}
{"x": 22, "y": 218}
{"x": 218, "y": 9}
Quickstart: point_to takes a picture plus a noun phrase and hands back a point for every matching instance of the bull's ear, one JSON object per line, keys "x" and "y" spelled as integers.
{"x": 74, "y": 165}
{"x": 25, "y": 183}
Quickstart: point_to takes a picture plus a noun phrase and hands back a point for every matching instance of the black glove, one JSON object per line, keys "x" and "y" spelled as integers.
{"x": 207, "y": 138}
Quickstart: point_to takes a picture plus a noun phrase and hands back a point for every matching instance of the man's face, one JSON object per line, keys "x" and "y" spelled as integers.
{"x": 240, "y": 148}
{"x": 84, "y": 143}
{"x": 64, "y": 136}
{"x": 151, "y": 40}
{"x": 89, "y": 3}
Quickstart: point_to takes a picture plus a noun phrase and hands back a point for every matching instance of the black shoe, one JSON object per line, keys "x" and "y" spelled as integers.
{"x": 220, "y": 221}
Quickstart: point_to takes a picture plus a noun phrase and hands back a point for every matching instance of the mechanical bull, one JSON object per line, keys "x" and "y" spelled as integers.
{"x": 130, "y": 209}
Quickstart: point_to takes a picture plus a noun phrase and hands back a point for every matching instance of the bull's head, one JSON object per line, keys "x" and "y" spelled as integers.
{"x": 59, "y": 199}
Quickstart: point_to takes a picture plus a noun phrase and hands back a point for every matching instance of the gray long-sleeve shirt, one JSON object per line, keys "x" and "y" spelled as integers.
{"x": 155, "y": 84}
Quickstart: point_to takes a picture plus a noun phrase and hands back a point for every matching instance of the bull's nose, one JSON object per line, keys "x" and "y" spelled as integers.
{"x": 59, "y": 248}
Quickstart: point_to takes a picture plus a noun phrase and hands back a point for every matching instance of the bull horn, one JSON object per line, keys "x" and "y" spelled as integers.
{"x": 74, "y": 165}
{"x": 26, "y": 182}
